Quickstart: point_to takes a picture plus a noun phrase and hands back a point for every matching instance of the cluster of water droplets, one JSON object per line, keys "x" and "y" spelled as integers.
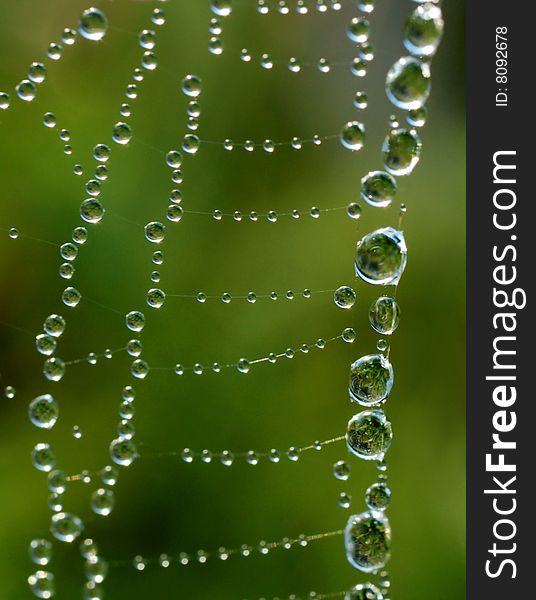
{"x": 380, "y": 259}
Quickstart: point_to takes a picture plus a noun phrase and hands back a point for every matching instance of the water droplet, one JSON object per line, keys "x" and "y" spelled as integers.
{"x": 139, "y": 369}
{"x": 40, "y": 552}
{"x": 149, "y": 61}
{"x": 93, "y": 24}
{"x": 102, "y": 502}
{"x": 54, "y": 369}
{"x": 26, "y": 90}
{"x": 9, "y": 392}
{"x": 378, "y": 496}
{"x": 344, "y": 297}
{"x": 358, "y": 30}
{"x": 226, "y": 298}
{"x": 267, "y": 61}
{"x": 71, "y": 297}
{"x": 222, "y": 8}
{"x": 96, "y": 569}
{"x": 92, "y": 210}
{"x": 381, "y": 257}
{"x": 382, "y": 345}
{"x": 349, "y": 335}
{"x": 252, "y": 458}
{"x": 158, "y": 17}
{"x": 37, "y": 72}
{"x": 57, "y": 482}
{"x": 76, "y": 432}
{"x": 66, "y": 527}
{"x": 43, "y": 457}
{"x": 45, "y": 344}
{"x": 353, "y": 135}
{"x": 417, "y": 117}
{"x": 54, "y": 325}
{"x": 424, "y": 29}
{"x": 4, "y": 100}
{"x": 408, "y": 83}
{"x": 54, "y": 51}
{"x": 68, "y": 36}
{"x": 401, "y": 151}
{"x": 227, "y": 458}
{"x": 121, "y": 134}
{"x": 43, "y": 411}
{"x": 155, "y": 232}
{"x": 293, "y": 454}
{"x": 155, "y": 298}
{"x": 341, "y": 470}
{"x": 364, "y": 591}
{"x": 345, "y": 500}
{"x": 123, "y": 452}
{"x": 361, "y": 100}
{"x": 354, "y": 210}
{"x": 191, "y": 143}
{"x": 191, "y": 86}
{"x": 367, "y": 539}
{"x": 42, "y": 584}
{"x": 371, "y": 380}
{"x": 243, "y": 365}
{"x": 369, "y": 435}
{"x": 378, "y": 188}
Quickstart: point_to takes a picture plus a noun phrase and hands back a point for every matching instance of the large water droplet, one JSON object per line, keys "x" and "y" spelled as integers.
{"x": 369, "y": 435}
{"x": 42, "y": 584}
{"x": 381, "y": 257}
{"x": 371, "y": 380}
{"x": 424, "y": 29}
{"x": 401, "y": 151}
{"x": 92, "y": 210}
{"x": 408, "y": 83}
{"x": 66, "y": 527}
{"x": 93, "y": 24}
{"x": 378, "y": 496}
{"x": 121, "y": 133}
{"x": 384, "y": 315}
{"x": 155, "y": 232}
{"x": 367, "y": 539}
{"x": 26, "y": 90}
{"x": 43, "y": 411}
{"x": 40, "y": 552}
{"x": 191, "y": 86}
{"x": 378, "y": 188}
{"x": 123, "y": 452}
{"x": 344, "y": 297}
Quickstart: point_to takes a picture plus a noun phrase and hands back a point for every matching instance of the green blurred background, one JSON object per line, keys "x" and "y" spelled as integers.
{"x": 162, "y": 504}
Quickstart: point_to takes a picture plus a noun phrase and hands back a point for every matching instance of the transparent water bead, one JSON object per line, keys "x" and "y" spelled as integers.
{"x": 54, "y": 325}
{"x": 43, "y": 458}
{"x": 367, "y": 539}
{"x": 417, "y": 117}
{"x": 191, "y": 143}
{"x": 358, "y": 30}
{"x": 40, "y": 551}
{"x": 54, "y": 51}
{"x": 96, "y": 569}
{"x": 381, "y": 257}
{"x": 369, "y": 435}
{"x": 156, "y": 298}
{"x": 384, "y": 315}
{"x": 424, "y": 29}
{"x": 43, "y": 411}
{"x": 54, "y": 369}
{"x": 155, "y": 232}
{"x": 121, "y": 133}
{"x": 378, "y": 496}
{"x": 93, "y": 24}
{"x": 123, "y": 452}
{"x": 37, "y": 72}
{"x": 4, "y": 100}
{"x": 66, "y": 527}
{"x": 9, "y": 392}
{"x": 401, "y": 151}
{"x": 378, "y": 188}
{"x": 344, "y": 297}
{"x": 341, "y": 470}
{"x": 92, "y": 210}
{"x": 71, "y": 297}
{"x": 222, "y": 8}
{"x": 191, "y": 86}
{"x": 408, "y": 83}
{"x": 26, "y": 90}
{"x": 45, "y": 344}
{"x": 364, "y": 591}
{"x": 102, "y": 502}
{"x": 361, "y": 100}
{"x": 371, "y": 380}
{"x": 353, "y": 135}
{"x": 42, "y": 584}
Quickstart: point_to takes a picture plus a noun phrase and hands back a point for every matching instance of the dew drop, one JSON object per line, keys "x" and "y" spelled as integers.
{"x": 378, "y": 188}
{"x": 344, "y": 297}
{"x": 354, "y": 210}
{"x": 424, "y": 29}
{"x": 349, "y": 335}
{"x": 43, "y": 458}
{"x": 243, "y": 365}
{"x": 54, "y": 325}
{"x": 384, "y": 315}
{"x": 9, "y": 392}
{"x": 45, "y": 344}
{"x": 26, "y": 90}
{"x": 66, "y": 527}
{"x": 121, "y": 134}
{"x": 408, "y": 83}
{"x": 71, "y": 297}
{"x": 353, "y": 135}
{"x": 367, "y": 539}
{"x": 40, "y": 552}
{"x": 361, "y": 100}
{"x": 42, "y": 584}
{"x": 54, "y": 369}
{"x": 369, "y": 435}
{"x": 37, "y": 72}
{"x": 345, "y": 500}
{"x": 54, "y": 51}
{"x": 371, "y": 380}
{"x": 401, "y": 151}
{"x": 123, "y": 452}
{"x": 139, "y": 369}
{"x": 93, "y": 24}
{"x": 381, "y": 257}
{"x": 191, "y": 86}
{"x": 92, "y": 210}
{"x": 102, "y": 502}
{"x": 358, "y": 30}
{"x": 378, "y": 496}
{"x": 4, "y": 100}
{"x": 341, "y": 470}
{"x": 43, "y": 411}
{"x": 191, "y": 143}
{"x": 155, "y": 232}
{"x": 364, "y": 591}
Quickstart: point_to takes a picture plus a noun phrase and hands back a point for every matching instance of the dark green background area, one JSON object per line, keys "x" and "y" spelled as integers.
{"x": 162, "y": 504}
